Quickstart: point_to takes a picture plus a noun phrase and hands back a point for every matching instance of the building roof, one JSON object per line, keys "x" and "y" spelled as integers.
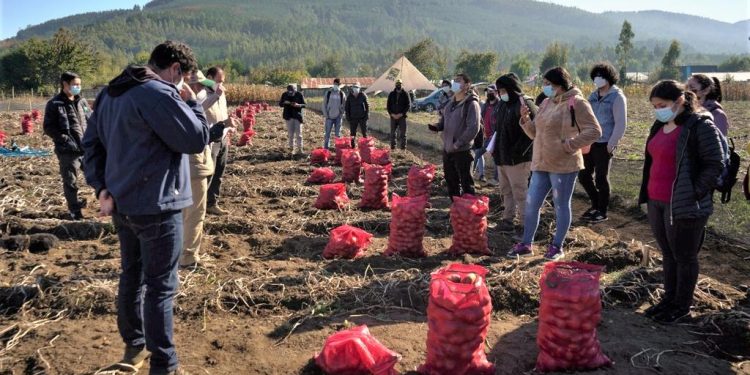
{"x": 319, "y": 83}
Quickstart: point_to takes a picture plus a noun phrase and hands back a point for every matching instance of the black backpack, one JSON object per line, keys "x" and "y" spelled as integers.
{"x": 728, "y": 177}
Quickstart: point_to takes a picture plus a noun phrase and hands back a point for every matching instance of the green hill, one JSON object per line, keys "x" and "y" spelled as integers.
{"x": 293, "y": 33}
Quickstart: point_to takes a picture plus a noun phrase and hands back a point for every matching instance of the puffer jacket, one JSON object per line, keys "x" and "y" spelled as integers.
{"x": 557, "y": 140}
{"x": 65, "y": 122}
{"x": 700, "y": 161}
{"x": 512, "y": 145}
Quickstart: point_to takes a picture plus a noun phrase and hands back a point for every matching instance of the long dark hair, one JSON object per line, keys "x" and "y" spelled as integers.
{"x": 714, "y": 93}
{"x": 67, "y": 77}
{"x": 673, "y": 90}
{"x": 559, "y": 76}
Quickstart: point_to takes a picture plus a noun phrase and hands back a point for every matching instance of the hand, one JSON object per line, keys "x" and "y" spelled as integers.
{"x": 219, "y": 89}
{"x": 187, "y": 93}
{"x": 525, "y": 113}
{"x": 233, "y": 124}
{"x": 106, "y": 204}
{"x": 296, "y": 105}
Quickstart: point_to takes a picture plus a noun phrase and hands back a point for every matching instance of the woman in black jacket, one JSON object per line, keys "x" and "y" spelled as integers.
{"x": 65, "y": 121}
{"x": 683, "y": 160}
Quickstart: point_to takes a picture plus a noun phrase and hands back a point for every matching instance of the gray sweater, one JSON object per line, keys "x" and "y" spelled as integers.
{"x": 458, "y": 135}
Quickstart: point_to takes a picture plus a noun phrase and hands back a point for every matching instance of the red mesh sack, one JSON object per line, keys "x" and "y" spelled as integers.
{"x": 375, "y": 194}
{"x": 248, "y": 122}
{"x": 366, "y": 145}
{"x": 458, "y": 318}
{"x": 355, "y": 351}
{"x": 246, "y": 138}
{"x": 380, "y": 156}
{"x": 2, "y": 138}
{"x": 27, "y": 125}
{"x": 321, "y": 176}
{"x": 239, "y": 111}
{"x": 332, "y": 197}
{"x": 407, "y": 226}
{"x": 35, "y": 114}
{"x": 419, "y": 180}
{"x": 341, "y": 144}
{"x": 469, "y": 222}
{"x": 347, "y": 242}
{"x": 569, "y": 312}
{"x": 319, "y": 156}
{"x": 351, "y": 162}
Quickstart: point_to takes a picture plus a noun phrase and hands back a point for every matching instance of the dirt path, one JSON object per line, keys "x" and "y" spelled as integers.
{"x": 265, "y": 300}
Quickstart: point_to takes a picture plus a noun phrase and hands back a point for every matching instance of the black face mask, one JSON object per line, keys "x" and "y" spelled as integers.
{"x": 398, "y": 87}
{"x": 290, "y": 92}
{"x": 491, "y": 97}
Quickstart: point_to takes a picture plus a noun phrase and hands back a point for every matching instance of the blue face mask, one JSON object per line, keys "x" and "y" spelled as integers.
{"x": 664, "y": 114}
{"x": 548, "y": 91}
{"x": 504, "y": 97}
{"x": 75, "y": 90}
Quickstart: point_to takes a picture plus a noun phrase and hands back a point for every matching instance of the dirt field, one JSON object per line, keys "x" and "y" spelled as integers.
{"x": 264, "y": 300}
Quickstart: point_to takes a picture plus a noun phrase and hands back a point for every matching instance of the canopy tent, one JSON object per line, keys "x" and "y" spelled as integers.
{"x": 411, "y": 77}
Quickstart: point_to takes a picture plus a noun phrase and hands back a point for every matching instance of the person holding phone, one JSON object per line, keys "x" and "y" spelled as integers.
{"x": 564, "y": 125}
{"x": 293, "y": 102}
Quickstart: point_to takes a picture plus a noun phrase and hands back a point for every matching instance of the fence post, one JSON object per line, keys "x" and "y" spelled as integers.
{"x": 13, "y": 92}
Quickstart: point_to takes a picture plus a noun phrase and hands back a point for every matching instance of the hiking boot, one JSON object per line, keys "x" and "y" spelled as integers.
{"x": 671, "y": 314}
{"x": 657, "y": 308}
{"x": 216, "y": 210}
{"x": 135, "y": 356}
{"x": 519, "y": 250}
{"x": 588, "y": 214}
{"x": 598, "y": 217}
{"x": 506, "y": 226}
{"x": 553, "y": 253}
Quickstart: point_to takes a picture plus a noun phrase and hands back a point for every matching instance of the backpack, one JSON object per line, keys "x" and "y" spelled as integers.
{"x": 728, "y": 177}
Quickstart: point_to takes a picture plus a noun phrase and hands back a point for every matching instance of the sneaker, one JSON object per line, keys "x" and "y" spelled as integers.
{"x": 506, "y": 226}
{"x": 553, "y": 253}
{"x": 216, "y": 210}
{"x": 519, "y": 250}
{"x": 597, "y": 217}
{"x": 657, "y": 308}
{"x": 589, "y": 214}
{"x": 671, "y": 314}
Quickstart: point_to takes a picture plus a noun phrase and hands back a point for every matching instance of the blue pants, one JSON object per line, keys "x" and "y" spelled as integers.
{"x": 330, "y": 124}
{"x": 479, "y": 163}
{"x": 562, "y": 186}
{"x": 150, "y": 246}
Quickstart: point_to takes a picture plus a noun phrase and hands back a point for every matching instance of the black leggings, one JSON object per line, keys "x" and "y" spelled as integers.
{"x": 597, "y": 162}
{"x": 680, "y": 241}
{"x": 457, "y": 169}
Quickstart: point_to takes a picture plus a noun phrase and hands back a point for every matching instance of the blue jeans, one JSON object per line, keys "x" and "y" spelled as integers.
{"x": 562, "y": 186}
{"x": 150, "y": 246}
{"x": 330, "y": 124}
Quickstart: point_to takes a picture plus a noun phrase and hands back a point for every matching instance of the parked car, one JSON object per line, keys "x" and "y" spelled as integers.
{"x": 429, "y": 103}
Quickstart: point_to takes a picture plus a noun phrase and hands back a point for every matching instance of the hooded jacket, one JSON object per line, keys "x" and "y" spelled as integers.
{"x": 137, "y": 140}
{"x": 512, "y": 145}
{"x": 65, "y": 122}
{"x": 557, "y": 140}
{"x": 399, "y": 102}
{"x": 611, "y": 112}
{"x": 717, "y": 112}
{"x": 460, "y": 122}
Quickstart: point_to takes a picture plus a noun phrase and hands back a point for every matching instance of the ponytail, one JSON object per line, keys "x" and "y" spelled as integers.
{"x": 691, "y": 102}
{"x": 715, "y": 93}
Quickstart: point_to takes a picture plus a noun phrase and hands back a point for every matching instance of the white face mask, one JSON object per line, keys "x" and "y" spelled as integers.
{"x": 355, "y": 90}
{"x": 179, "y": 84}
{"x": 456, "y": 86}
{"x": 600, "y": 82}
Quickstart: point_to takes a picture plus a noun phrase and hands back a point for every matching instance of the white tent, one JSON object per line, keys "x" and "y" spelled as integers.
{"x": 411, "y": 77}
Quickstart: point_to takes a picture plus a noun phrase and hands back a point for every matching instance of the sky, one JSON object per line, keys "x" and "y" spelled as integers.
{"x": 17, "y": 14}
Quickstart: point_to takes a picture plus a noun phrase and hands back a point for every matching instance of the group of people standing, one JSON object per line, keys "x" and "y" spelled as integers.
{"x": 538, "y": 150}
{"x": 154, "y": 148}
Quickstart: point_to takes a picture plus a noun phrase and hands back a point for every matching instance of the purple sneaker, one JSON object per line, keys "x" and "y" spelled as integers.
{"x": 519, "y": 250}
{"x": 554, "y": 253}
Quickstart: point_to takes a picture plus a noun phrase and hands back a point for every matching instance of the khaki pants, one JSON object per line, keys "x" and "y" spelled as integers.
{"x": 514, "y": 184}
{"x": 193, "y": 218}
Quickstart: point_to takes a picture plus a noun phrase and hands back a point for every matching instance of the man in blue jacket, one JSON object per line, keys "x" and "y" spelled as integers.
{"x": 145, "y": 123}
